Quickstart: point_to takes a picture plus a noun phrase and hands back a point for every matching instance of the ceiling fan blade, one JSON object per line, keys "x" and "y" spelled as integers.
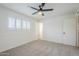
{"x": 34, "y": 13}
{"x": 33, "y": 8}
{"x": 47, "y": 9}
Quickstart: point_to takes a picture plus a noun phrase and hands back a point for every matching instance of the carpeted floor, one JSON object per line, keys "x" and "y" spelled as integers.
{"x": 42, "y": 48}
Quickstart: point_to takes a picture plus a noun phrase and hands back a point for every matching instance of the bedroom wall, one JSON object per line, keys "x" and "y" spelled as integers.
{"x": 10, "y": 38}
{"x": 61, "y": 29}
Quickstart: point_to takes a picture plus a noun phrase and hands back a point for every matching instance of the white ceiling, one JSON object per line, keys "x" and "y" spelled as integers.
{"x": 59, "y": 8}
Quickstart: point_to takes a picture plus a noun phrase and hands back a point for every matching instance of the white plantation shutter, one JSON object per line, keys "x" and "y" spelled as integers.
{"x": 11, "y": 23}
{"x": 18, "y": 23}
{"x": 28, "y": 25}
{"x": 23, "y": 24}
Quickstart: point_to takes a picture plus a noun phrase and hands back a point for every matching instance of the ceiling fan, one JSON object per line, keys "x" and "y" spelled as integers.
{"x": 40, "y": 10}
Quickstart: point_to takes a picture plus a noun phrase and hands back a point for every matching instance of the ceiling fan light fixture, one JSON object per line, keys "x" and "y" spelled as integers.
{"x": 40, "y": 13}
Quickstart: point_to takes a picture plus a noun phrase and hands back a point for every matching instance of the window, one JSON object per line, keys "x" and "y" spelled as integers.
{"x": 11, "y": 23}
{"x": 18, "y": 23}
{"x": 28, "y": 25}
{"x": 23, "y": 24}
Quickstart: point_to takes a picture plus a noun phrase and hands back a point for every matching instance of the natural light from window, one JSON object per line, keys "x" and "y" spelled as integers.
{"x": 28, "y": 25}
{"x": 24, "y": 24}
{"x": 11, "y": 23}
{"x": 18, "y": 23}
{"x": 15, "y": 23}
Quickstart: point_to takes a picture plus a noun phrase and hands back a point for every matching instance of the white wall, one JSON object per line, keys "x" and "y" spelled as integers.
{"x": 54, "y": 28}
{"x": 13, "y": 38}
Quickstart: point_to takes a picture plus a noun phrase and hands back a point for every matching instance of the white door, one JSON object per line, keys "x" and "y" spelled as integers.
{"x": 69, "y": 31}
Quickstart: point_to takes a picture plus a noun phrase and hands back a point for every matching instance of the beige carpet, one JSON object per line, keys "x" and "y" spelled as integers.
{"x": 42, "y": 48}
